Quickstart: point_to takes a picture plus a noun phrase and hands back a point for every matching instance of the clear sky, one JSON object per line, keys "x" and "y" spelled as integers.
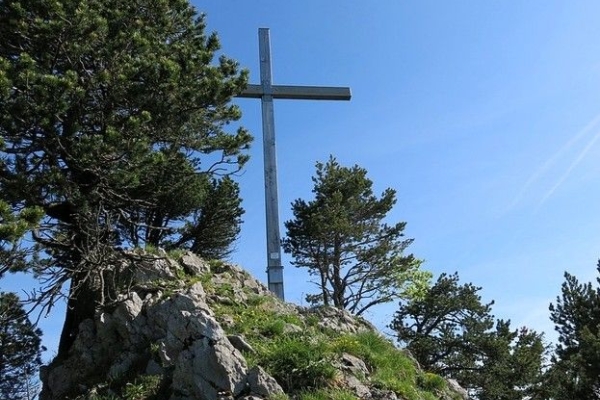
{"x": 483, "y": 116}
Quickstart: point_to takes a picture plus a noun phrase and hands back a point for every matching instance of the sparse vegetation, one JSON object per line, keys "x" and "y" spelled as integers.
{"x": 298, "y": 362}
{"x": 173, "y": 254}
{"x": 144, "y": 387}
{"x": 328, "y": 394}
{"x": 303, "y": 362}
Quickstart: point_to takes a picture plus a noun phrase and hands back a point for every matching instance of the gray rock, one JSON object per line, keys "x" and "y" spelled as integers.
{"x": 226, "y": 301}
{"x": 154, "y": 368}
{"x": 380, "y": 394}
{"x": 261, "y": 383}
{"x": 291, "y": 328}
{"x": 182, "y": 327}
{"x": 59, "y": 381}
{"x": 240, "y": 343}
{"x": 125, "y": 317}
{"x": 122, "y": 365}
{"x": 151, "y": 269}
{"x": 361, "y": 390}
{"x": 455, "y": 387}
{"x": 209, "y": 369}
{"x": 197, "y": 293}
{"x": 354, "y": 365}
{"x": 164, "y": 356}
{"x": 332, "y": 318}
{"x": 193, "y": 265}
{"x": 227, "y": 321}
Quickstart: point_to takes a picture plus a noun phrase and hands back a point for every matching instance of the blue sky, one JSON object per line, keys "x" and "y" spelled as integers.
{"x": 482, "y": 115}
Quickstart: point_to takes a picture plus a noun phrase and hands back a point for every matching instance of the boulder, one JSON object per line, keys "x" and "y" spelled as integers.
{"x": 193, "y": 265}
{"x": 174, "y": 336}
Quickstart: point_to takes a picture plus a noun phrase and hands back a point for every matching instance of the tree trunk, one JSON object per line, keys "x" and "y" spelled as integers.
{"x": 324, "y": 288}
{"x": 86, "y": 291}
{"x": 83, "y": 301}
{"x": 338, "y": 285}
{"x": 323, "y": 272}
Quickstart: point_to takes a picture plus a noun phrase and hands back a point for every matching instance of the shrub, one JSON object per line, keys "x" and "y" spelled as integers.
{"x": 298, "y": 363}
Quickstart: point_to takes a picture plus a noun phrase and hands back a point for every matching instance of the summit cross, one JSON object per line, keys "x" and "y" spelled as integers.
{"x": 266, "y": 91}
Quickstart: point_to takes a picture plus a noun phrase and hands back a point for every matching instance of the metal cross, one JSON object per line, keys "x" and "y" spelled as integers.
{"x": 266, "y": 91}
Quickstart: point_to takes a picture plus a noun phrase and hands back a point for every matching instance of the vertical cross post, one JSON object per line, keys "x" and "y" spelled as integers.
{"x": 274, "y": 267}
{"x": 266, "y": 91}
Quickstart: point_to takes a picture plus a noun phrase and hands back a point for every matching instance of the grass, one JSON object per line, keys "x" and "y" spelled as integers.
{"x": 173, "y": 254}
{"x": 328, "y": 394}
{"x": 390, "y": 368}
{"x": 298, "y": 363}
{"x": 302, "y": 363}
{"x": 144, "y": 387}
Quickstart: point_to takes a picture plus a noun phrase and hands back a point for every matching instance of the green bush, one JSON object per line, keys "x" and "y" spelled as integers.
{"x": 431, "y": 382}
{"x": 328, "y": 394}
{"x": 298, "y": 363}
{"x": 144, "y": 387}
{"x": 273, "y": 328}
{"x": 390, "y": 368}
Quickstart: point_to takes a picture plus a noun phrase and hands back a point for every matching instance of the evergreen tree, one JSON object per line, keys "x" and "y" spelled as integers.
{"x": 113, "y": 117}
{"x": 217, "y": 224}
{"x": 511, "y": 364}
{"x": 20, "y": 350}
{"x": 13, "y": 225}
{"x": 341, "y": 238}
{"x": 452, "y": 333}
{"x": 443, "y": 328}
{"x": 575, "y": 373}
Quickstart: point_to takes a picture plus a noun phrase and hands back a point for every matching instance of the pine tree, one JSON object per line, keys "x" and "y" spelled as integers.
{"x": 216, "y": 225}
{"x": 341, "y": 237}
{"x": 443, "y": 327}
{"x": 452, "y": 333}
{"x": 20, "y": 350}
{"x": 511, "y": 364}
{"x": 13, "y": 225}
{"x": 113, "y": 118}
{"x": 575, "y": 372}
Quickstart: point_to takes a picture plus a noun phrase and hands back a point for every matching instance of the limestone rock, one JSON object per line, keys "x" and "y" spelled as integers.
{"x": 208, "y": 369}
{"x": 291, "y": 328}
{"x": 354, "y": 365}
{"x": 261, "y": 383}
{"x": 149, "y": 332}
{"x": 163, "y": 328}
{"x": 240, "y": 343}
{"x": 338, "y": 320}
{"x": 379, "y": 394}
{"x": 193, "y": 265}
{"x": 361, "y": 390}
{"x": 455, "y": 386}
{"x": 150, "y": 269}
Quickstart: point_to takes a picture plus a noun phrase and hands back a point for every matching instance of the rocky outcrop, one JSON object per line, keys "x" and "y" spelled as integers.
{"x": 170, "y": 334}
{"x": 149, "y": 331}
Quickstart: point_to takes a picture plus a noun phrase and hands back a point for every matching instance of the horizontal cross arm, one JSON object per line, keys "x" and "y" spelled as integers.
{"x": 299, "y": 92}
